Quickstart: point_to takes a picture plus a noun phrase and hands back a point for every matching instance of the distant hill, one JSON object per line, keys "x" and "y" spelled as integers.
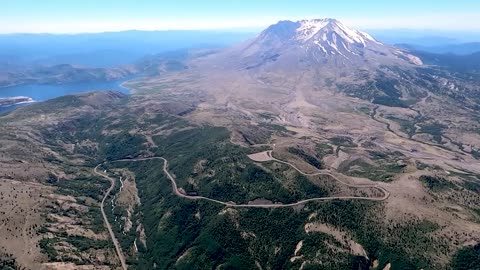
{"x": 105, "y": 49}
{"x": 458, "y": 63}
{"x": 459, "y": 49}
{"x": 424, "y": 37}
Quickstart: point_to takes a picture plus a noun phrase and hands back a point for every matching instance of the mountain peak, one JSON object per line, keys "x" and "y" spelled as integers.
{"x": 324, "y": 28}
{"x": 328, "y": 35}
{"x": 321, "y": 41}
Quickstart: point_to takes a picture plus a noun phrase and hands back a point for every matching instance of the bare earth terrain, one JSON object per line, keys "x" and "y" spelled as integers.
{"x": 356, "y": 152}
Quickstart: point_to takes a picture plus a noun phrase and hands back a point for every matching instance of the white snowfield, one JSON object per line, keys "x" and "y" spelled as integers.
{"x": 310, "y": 28}
{"x": 324, "y": 41}
{"x": 331, "y": 35}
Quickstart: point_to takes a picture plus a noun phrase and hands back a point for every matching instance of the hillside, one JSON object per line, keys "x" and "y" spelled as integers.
{"x": 311, "y": 146}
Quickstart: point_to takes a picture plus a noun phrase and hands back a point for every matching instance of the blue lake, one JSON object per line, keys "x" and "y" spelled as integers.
{"x": 41, "y": 92}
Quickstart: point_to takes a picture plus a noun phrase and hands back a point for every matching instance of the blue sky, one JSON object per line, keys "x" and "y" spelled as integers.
{"x": 71, "y": 16}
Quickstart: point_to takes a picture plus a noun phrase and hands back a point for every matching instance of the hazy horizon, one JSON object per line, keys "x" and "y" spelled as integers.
{"x": 88, "y": 16}
{"x": 392, "y": 36}
{"x": 401, "y": 31}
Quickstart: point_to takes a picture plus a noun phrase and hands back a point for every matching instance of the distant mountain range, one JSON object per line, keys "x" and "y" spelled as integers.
{"x": 424, "y": 37}
{"x": 106, "y": 49}
{"x": 119, "y": 48}
{"x": 59, "y": 74}
{"x": 469, "y": 63}
{"x": 463, "y": 57}
{"x": 458, "y": 49}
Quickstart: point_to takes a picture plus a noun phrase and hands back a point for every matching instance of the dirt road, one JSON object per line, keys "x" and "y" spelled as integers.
{"x": 177, "y": 192}
{"x": 107, "y": 223}
{"x": 328, "y": 173}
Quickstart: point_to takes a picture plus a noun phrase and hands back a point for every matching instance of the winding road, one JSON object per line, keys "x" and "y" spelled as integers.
{"x": 386, "y": 194}
{"x": 181, "y": 194}
{"x": 118, "y": 249}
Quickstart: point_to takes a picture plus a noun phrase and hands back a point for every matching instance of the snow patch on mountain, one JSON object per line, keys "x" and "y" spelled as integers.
{"x": 309, "y": 29}
{"x": 326, "y": 39}
{"x": 320, "y": 45}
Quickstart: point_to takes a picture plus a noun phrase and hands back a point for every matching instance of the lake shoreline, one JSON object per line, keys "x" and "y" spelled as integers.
{"x": 18, "y": 100}
{"x": 42, "y": 92}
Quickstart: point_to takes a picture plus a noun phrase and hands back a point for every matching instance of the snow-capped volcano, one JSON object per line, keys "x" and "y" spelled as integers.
{"x": 321, "y": 55}
{"x": 321, "y": 40}
{"x": 332, "y": 36}
{"x": 320, "y": 28}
